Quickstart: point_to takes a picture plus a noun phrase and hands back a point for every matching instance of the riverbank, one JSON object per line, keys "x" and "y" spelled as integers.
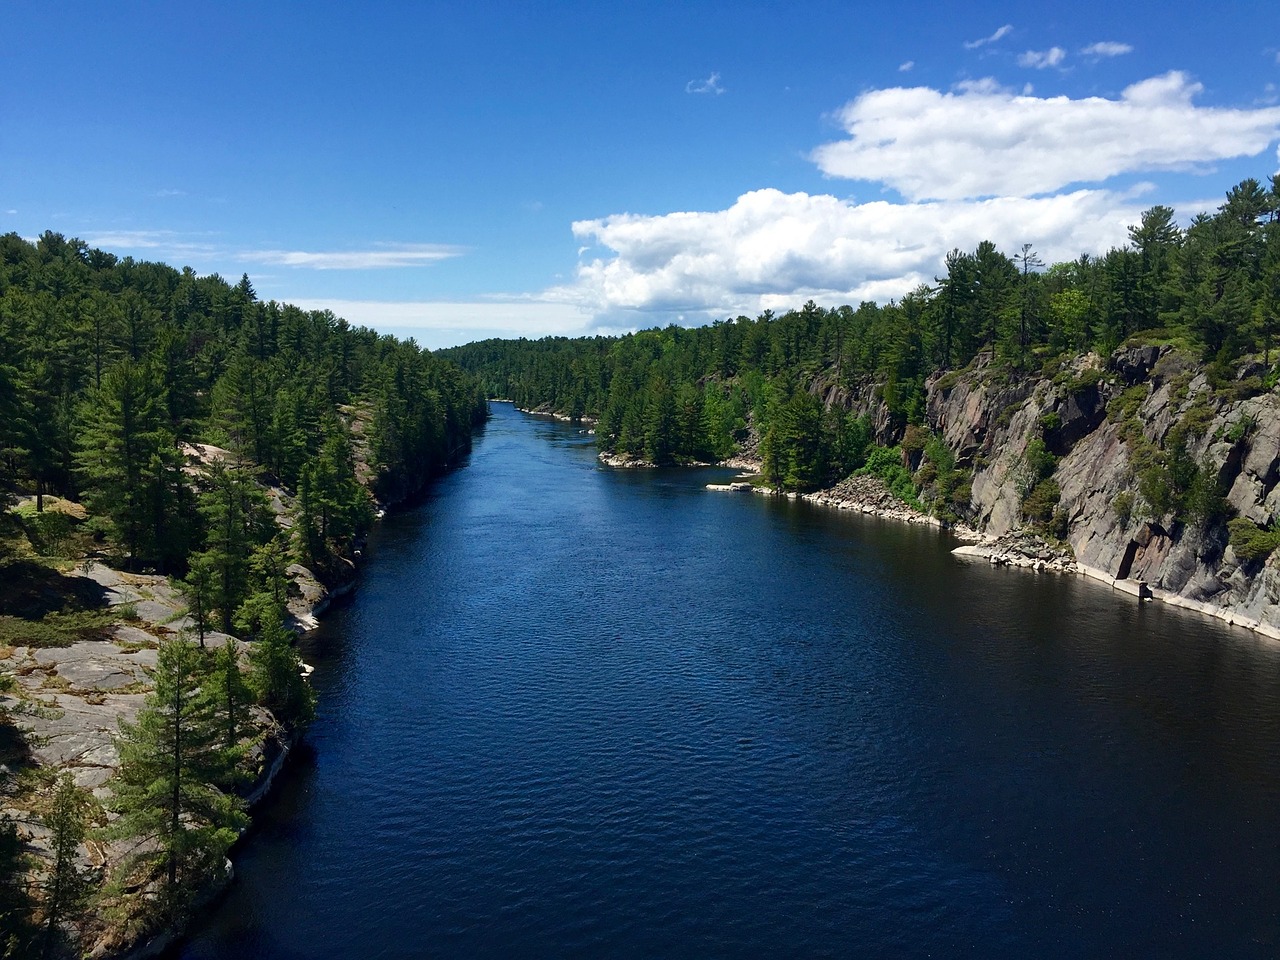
{"x": 1018, "y": 549}
{"x": 68, "y": 698}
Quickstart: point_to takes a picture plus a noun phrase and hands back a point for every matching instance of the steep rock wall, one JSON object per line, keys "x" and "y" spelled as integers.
{"x": 988, "y": 421}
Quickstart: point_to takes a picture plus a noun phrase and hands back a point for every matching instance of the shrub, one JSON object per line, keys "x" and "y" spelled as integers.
{"x": 1123, "y": 505}
{"x": 886, "y": 463}
{"x": 1039, "y": 504}
{"x": 1251, "y": 543}
{"x": 1037, "y": 464}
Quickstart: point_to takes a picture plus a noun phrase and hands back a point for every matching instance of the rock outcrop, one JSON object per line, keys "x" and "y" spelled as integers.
{"x": 1106, "y": 422}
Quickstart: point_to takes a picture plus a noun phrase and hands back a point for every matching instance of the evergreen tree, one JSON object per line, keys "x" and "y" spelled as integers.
{"x": 130, "y": 466}
{"x": 180, "y": 824}
{"x": 231, "y": 696}
{"x": 197, "y": 588}
{"x": 237, "y": 522}
{"x": 66, "y": 887}
{"x": 275, "y": 674}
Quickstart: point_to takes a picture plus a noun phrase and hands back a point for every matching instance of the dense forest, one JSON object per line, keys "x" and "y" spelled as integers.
{"x": 168, "y": 409}
{"x": 108, "y": 366}
{"x": 1211, "y": 289}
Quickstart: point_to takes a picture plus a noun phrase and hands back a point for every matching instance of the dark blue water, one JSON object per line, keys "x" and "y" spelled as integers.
{"x": 578, "y": 712}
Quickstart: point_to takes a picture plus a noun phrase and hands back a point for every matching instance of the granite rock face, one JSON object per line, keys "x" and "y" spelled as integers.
{"x": 1113, "y": 532}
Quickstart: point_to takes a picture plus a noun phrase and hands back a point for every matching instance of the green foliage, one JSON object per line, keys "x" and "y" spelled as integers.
{"x": 1041, "y": 501}
{"x": 942, "y": 486}
{"x": 66, "y": 886}
{"x": 1242, "y": 428}
{"x": 1124, "y": 407}
{"x": 1123, "y": 505}
{"x": 128, "y": 461}
{"x": 886, "y": 463}
{"x": 237, "y": 522}
{"x": 53, "y": 534}
{"x": 1251, "y": 543}
{"x": 275, "y": 675}
{"x": 58, "y": 629}
{"x": 108, "y": 366}
{"x": 333, "y": 507}
{"x": 17, "y": 923}
{"x": 171, "y": 757}
{"x": 198, "y": 589}
{"x": 232, "y": 697}
{"x": 1036, "y": 466}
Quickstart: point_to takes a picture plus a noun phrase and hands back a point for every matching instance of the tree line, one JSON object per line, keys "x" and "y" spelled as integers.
{"x": 108, "y": 366}
{"x": 674, "y": 394}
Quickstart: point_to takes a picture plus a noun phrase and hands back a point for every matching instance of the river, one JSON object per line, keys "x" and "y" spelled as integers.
{"x": 580, "y": 712}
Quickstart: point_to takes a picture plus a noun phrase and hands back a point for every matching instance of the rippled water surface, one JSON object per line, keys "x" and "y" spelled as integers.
{"x": 581, "y": 712}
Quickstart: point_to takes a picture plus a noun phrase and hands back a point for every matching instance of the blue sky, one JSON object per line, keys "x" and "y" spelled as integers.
{"x": 452, "y": 171}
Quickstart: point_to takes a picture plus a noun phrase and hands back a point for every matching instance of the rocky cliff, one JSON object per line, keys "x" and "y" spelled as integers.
{"x": 1148, "y": 460}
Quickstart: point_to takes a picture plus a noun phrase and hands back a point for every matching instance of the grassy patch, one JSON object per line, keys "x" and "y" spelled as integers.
{"x": 57, "y": 629}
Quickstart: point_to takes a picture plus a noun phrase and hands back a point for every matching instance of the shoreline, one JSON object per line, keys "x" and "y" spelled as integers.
{"x": 1014, "y": 550}
{"x": 93, "y": 699}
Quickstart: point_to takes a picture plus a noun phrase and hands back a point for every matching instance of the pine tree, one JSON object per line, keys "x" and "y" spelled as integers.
{"x": 66, "y": 886}
{"x": 197, "y": 588}
{"x": 171, "y": 757}
{"x": 130, "y": 465}
{"x": 275, "y": 674}
{"x": 231, "y": 697}
{"x": 236, "y": 522}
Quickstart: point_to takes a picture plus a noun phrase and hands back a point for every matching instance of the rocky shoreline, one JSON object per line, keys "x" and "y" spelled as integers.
{"x": 1018, "y": 549}
{"x": 70, "y": 700}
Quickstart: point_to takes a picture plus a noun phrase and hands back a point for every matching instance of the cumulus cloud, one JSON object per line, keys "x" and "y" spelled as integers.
{"x": 1040, "y": 59}
{"x": 1107, "y": 48}
{"x": 709, "y": 85}
{"x": 1000, "y": 34}
{"x": 981, "y": 139}
{"x": 383, "y": 257}
{"x": 906, "y": 66}
{"x": 772, "y": 249}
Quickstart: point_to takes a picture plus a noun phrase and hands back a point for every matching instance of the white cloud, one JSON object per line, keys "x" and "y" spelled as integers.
{"x": 1040, "y": 59}
{"x": 998, "y": 35}
{"x": 772, "y": 249}
{"x": 159, "y": 244}
{"x": 165, "y": 194}
{"x": 709, "y": 85}
{"x": 170, "y": 244}
{"x": 382, "y": 257}
{"x": 906, "y": 66}
{"x": 983, "y": 140}
{"x": 1107, "y": 48}
{"x": 437, "y": 324}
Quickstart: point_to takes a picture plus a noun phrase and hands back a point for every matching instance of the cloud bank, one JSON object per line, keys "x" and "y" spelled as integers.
{"x": 982, "y": 140}
{"x": 772, "y": 249}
